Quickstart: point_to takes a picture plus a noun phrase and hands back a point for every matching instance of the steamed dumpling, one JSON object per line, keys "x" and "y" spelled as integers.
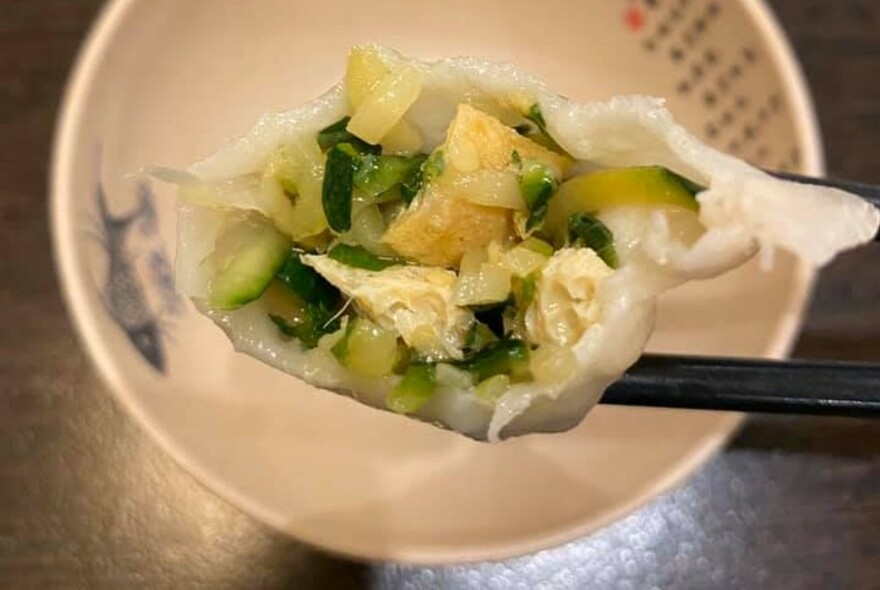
{"x": 469, "y": 248}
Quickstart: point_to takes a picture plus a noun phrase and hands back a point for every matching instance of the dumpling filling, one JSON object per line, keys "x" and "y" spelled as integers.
{"x": 452, "y": 242}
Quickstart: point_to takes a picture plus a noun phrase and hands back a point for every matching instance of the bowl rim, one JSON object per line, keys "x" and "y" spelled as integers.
{"x": 68, "y": 268}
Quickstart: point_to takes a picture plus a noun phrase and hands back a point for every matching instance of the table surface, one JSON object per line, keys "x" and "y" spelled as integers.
{"x": 88, "y": 501}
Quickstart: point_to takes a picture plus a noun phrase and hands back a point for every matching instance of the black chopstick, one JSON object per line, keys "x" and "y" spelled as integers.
{"x": 869, "y": 192}
{"x": 750, "y": 385}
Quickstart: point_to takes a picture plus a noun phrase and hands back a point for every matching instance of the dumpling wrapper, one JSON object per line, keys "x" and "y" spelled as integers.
{"x": 743, "y": 210}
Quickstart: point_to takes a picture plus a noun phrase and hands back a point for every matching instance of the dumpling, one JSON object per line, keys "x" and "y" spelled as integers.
{"x": 454, "y": 242}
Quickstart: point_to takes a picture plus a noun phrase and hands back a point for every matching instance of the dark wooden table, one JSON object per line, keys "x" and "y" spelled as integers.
{"x": 87, "y": 501}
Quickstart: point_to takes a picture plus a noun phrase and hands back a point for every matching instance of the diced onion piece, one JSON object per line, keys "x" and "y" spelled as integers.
{"x": 367, "y": 227}
{"x": 386, "y": 105}
{"x": 364, "y": 72}
{"x": 281, "y": 301}
{"x": 371, "y": 351}
{"x": 523, "y": 261}
{"x": 539, "y": 246}
{"x": 492, "y": 388}
{"x": 449, "y": 376}
{"x": 490, "y": 284}
{"x": 492, "y": 188}
{"x": 291, "y": 189}
{"x": 472, "y": 260}
{"x": 552, "y": 364}
{"x": 402, "y": 139}
{"x": 463, "y": 154}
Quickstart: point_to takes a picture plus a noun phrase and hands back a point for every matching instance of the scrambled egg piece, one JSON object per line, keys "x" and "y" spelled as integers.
{"x": 441, "y": 224}
{"x": 413, "y": 301}
{"x": 565, "y": 302}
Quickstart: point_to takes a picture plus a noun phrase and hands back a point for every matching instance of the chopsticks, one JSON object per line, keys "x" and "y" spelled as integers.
{"x": 753, "y": 385}
{"x": 750, "y": 385}
{"x": 870, "y": 193}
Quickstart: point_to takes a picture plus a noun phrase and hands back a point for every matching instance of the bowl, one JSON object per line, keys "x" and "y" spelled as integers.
{"x": 162, "y": 82}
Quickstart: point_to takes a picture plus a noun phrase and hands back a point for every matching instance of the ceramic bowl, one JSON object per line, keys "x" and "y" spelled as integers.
{"x": 164, "y": 82}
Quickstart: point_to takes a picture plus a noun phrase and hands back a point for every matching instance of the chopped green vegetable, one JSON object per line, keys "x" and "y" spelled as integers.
{"x": 505, "y": 357}
{"x": 639, "y": 186}
{"x": 244, "y": 262}
{"x": 524, "y": 291}
{"x": 479, "y": 337}
{"x": 492, "y": 388}
{"x": 306, "y": 282}
{"x": 430, "y": 169}
{"x": 337, "y": 133}
{"x": 376, "y": 174}
{"x": 414, "y": 390}
{"x": 321, "y": 302}
{"x": 338, "y": 188}
{"x": 360, "y": 257}
{"x": 537, "y": 117}
{"x": 536, "y": 184}
{"x": 367, "y": 349}
{"x": 586, "y": 230}
{"x": 536, "y": 130}
{"x": 310, "y": 328}
{"x": 340, "y": 349}
{"x": 538, "y": 246}
{"x": 433, "y": 166}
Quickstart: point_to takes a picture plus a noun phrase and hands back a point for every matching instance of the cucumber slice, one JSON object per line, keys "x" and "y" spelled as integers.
{"x": 245, "y": 260}
{"x": 338, "y": 186}
{"x": 366, "y": 349}
{"x": 506, "y": 357}
{"x": 414, "y": 390}
{"x": 376, "y": 175}
{"x": 648, "y": 186}
{"x": 537, "y": 183}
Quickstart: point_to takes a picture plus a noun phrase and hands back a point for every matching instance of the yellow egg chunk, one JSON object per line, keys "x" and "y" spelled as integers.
{"x": 444, "y": 222}
{"x": 475, "y": 140}
{"x": 440, "y": 227}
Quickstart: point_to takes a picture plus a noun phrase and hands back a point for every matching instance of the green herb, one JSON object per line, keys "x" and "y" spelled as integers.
{"x": 340, "y": 349}
{"x": 338, "y": 187}
{"x": 377, "y": 174}
{"x": 322, "y": 301}
{"x": 309, "y": 330}
{"x": 414, "y": 390}
{"x": 524, "y": 290}
{"x": 505, "y": 357}
{"x": 337, "y": 133}
{"x": 586, "y": 230}
{"x": 536, "y": 130}
{"x": 535, "y": 115}
{"x": 305, "y": 281}
{"x": 429, "y": 170}
{"x": 360, "y": 257}
{"x": 536, "y": 184}
{"x": 433, "y": 166}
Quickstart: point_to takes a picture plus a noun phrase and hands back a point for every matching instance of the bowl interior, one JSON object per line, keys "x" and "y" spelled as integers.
{"x": 167, "y": 82}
